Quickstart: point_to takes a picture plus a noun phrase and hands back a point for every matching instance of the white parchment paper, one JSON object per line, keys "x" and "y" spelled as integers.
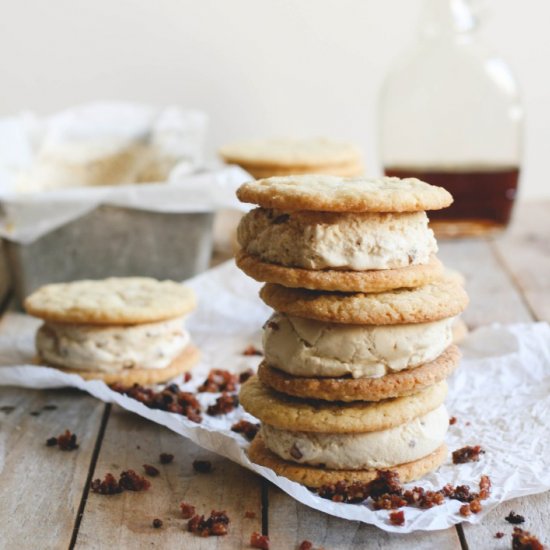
{"x": 500, "y": 396}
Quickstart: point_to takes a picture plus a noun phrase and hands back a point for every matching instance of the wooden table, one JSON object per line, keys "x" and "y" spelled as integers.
{"x": 44, "y": 493}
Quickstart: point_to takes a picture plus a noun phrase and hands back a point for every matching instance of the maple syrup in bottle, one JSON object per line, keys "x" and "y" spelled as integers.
{"x": 450, "y": 114}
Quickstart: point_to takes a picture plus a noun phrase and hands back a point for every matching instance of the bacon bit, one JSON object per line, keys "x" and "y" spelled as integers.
{"x": 170, "y": 399}
{"x": 216, "y": 525}
{"x": 66, "y": 441}
{"x": 109, "y": 486}
{"x": 514, "y": 519}
{"x": 248, "y": 429}
{"x": 187, "y": 510}
{"x": 421, "y": 498}
{"x": 272, "y": 325}
{"x": 245, "y": 375}
{"x": 187, "y": 376}
{"x": 465, "y": 510}
{"x": 259, "y": 541}
{"x": 219, "y": 380}
{"x": 295, "y": 452}
{"x": 388, "y": 502}
{"x": 250, "y": 515}
{"x": 202, "y": 466}
{"x": 523, "y": 540}
{"x": 151, "y": 470}
{"x": 499, "y": 535}
{"x": 224, "y": 404}
{"x": 166, "y": 458}
{"x": 251, "y": 350}
{"x": 452, "y": 421}
{"x": 131, "y": 481}
{"x": 157, "y": 523}
{"x": 305, "y": 545}
{"x": 475, "y": 506}
{"x": 467, "y": 454}
{"x": 397, "y": 518}
{"x": 484, "y": 487}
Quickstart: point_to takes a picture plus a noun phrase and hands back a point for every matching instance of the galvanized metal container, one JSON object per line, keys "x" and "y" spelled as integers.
{"x": 114, "y": 241}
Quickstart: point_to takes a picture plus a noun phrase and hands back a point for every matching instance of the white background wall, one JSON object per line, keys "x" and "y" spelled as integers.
{"x": 258, "y": 67}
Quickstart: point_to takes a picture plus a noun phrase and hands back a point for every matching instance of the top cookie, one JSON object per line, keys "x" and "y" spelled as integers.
{"x": 285, "y": 152}
{"x": 337, "y": 194}
{"x": 113, "y": 301}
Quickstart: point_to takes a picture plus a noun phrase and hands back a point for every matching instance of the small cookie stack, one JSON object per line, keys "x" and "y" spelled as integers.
{"x": 284, "y": 157}
{"x": 360, "y": 344}
{"x": 126, "y": 330}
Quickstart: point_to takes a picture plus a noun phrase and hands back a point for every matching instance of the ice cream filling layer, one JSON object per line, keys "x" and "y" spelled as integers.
{"x": 347, "y": 241}
{"x": 383, "y": 449}
{"x": 112, "y": 348}
{"x": 310, "y": 348}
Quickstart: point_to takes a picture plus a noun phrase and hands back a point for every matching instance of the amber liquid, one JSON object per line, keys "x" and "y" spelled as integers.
{"x": 483, "y": 197}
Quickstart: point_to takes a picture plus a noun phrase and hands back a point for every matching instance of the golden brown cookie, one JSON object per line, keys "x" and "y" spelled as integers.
{"x": 113, "y": 301}
{"x": 337, "y": 194}
{"x": 335, "y": 280}
{"x": 181, "y": 364}
{"x": 395, "y": 384}
{"x": 315, "y": 476}
{"x": 289, "y": 413}
{"x": 431, "y": 302}
{"x": 348, "y": 169}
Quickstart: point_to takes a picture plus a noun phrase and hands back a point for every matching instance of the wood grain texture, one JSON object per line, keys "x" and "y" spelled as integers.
{"x": 290, "y": 522}
{"x": 125, "y": 520}
{"x": 524, "y": 252}
{"x": 40, "y": 486}
{"x": 493, "y": 298}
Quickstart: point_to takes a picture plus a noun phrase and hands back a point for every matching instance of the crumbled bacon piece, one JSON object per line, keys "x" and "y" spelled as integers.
{"x": 421, "y": 498}
{"x": 452, "y": 421}
{"x": 131, "y": 481}
{"x": 245, "y": 375}
{"x": 272, "y": 325}
{"x": 169, "y": 399}
{"x": 66, "y": 441}
{"x": 397, "y": 518}
{"x": 249, "y": 514}
{"x": 157, "y": 523}
{"x": 484, "y": 487}
{"x": 187, "y": 510}
{"x": 166, "y": 458}
{"x": 259, "y": 541}
{"x": 224, "y": 404}
{"x": 219, "y": 380}
{"x": 467, "y": 454}
{"x": 215, "y": 525}
{"x": 345, "y": 492}
{"x": 523, "y": 540}
{"x": 465, "y": 510}
{"x": 475, "y": 506}
{"x": 305, "y": 545}
{"x": 151, "y": 470}
{"x": 514, "y": 519}
{"x": 386, "y": 481}
{"x": 109, "y": 485}
{"x": 499, "y": 535}
{"x": 187, "y": 376}
{"x": 388, "y": 502}
{"x": 202, "y": 466}
{"x": 251, "y": 350}
{"x": 248, "y": 429}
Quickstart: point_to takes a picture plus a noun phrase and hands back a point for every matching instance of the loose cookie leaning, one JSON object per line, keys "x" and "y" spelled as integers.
{"x": 127, "y": 330}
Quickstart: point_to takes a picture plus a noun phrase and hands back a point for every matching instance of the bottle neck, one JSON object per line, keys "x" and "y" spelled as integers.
{"x": 442, "y": 18}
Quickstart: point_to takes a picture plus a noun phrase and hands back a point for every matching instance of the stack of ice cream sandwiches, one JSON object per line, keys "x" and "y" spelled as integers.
{"x": 358, "y": 350}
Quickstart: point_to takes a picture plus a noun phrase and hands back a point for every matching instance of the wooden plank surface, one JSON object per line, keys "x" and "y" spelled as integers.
{"x": 41, "y": 487}
{"x": 289, "y": 523}
{"x": 125, "y": 520}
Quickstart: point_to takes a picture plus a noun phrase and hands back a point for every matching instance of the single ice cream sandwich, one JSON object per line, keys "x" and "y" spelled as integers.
{"x": 316, "y": 442}
{"x": 127, "y": 330}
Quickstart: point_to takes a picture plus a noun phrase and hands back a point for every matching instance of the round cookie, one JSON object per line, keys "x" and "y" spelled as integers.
{"x": 313, "y": 476}
{"x": 337, "y": 194}
{"x": 128, "y": 377}
{"x": 285, "y": 153}
{"x": 113, "y": 301}
{"x": 395, "y": 384}
{"x": 378, "y": 280}
{"x": 431, "y": 302}
{"x": 288, "y": 413}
